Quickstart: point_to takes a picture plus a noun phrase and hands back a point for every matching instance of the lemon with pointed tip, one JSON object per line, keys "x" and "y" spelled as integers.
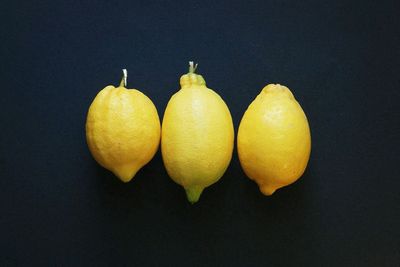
{"x": 197, "y": 136}
{"x": 122, "y": 130}
{"x": 274, "y": 140}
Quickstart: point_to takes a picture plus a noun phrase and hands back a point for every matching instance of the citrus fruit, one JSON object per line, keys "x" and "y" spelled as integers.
{"x": 122, "y": 130}
{"x": 197, "y": 135}
{"x": 274, "y": 140}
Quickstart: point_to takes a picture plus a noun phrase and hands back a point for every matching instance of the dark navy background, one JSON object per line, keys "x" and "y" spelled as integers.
{"x": 340, "y": 58}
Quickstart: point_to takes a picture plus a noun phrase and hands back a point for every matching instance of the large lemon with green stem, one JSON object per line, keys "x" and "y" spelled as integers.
{"x": 197, "y": 135}
{"x": 122, "y": 130}
{"x": 274, "y": 140}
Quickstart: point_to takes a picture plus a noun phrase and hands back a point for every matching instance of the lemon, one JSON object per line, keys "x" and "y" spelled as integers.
{"x": 197, "y": 135}
{"x": 122, "y": 130}
{"x": 274, "y": 139}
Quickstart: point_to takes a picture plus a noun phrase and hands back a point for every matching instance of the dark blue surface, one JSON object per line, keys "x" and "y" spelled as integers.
{"x": 340, "y": 58}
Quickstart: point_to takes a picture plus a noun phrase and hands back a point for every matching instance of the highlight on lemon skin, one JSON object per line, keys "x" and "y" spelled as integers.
{"x": 197, "y": 135}
{"x": 122, "y": 129}
{"x": 274, "y": 140}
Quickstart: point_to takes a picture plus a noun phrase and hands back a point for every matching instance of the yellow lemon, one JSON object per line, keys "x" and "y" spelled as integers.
{"x": 274, "y": 139}
{"x": 197, "y": 136}
{"x": 122, "y": 130}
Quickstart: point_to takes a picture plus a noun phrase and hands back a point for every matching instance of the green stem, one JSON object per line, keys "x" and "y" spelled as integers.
{"x": 124, "y": 80}
{"x": 192, "y": 67}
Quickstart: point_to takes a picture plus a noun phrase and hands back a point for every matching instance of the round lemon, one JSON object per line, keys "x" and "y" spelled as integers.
{"x": 122, "y": 130}
{"x": 197, "y": 136}
{"x": 274, "y": 139}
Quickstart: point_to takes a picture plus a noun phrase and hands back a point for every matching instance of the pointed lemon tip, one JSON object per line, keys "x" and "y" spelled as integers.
{"x": 267, "y": 190}
{"x": 125, "y": 173}
{"x": 193, "y": 193}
